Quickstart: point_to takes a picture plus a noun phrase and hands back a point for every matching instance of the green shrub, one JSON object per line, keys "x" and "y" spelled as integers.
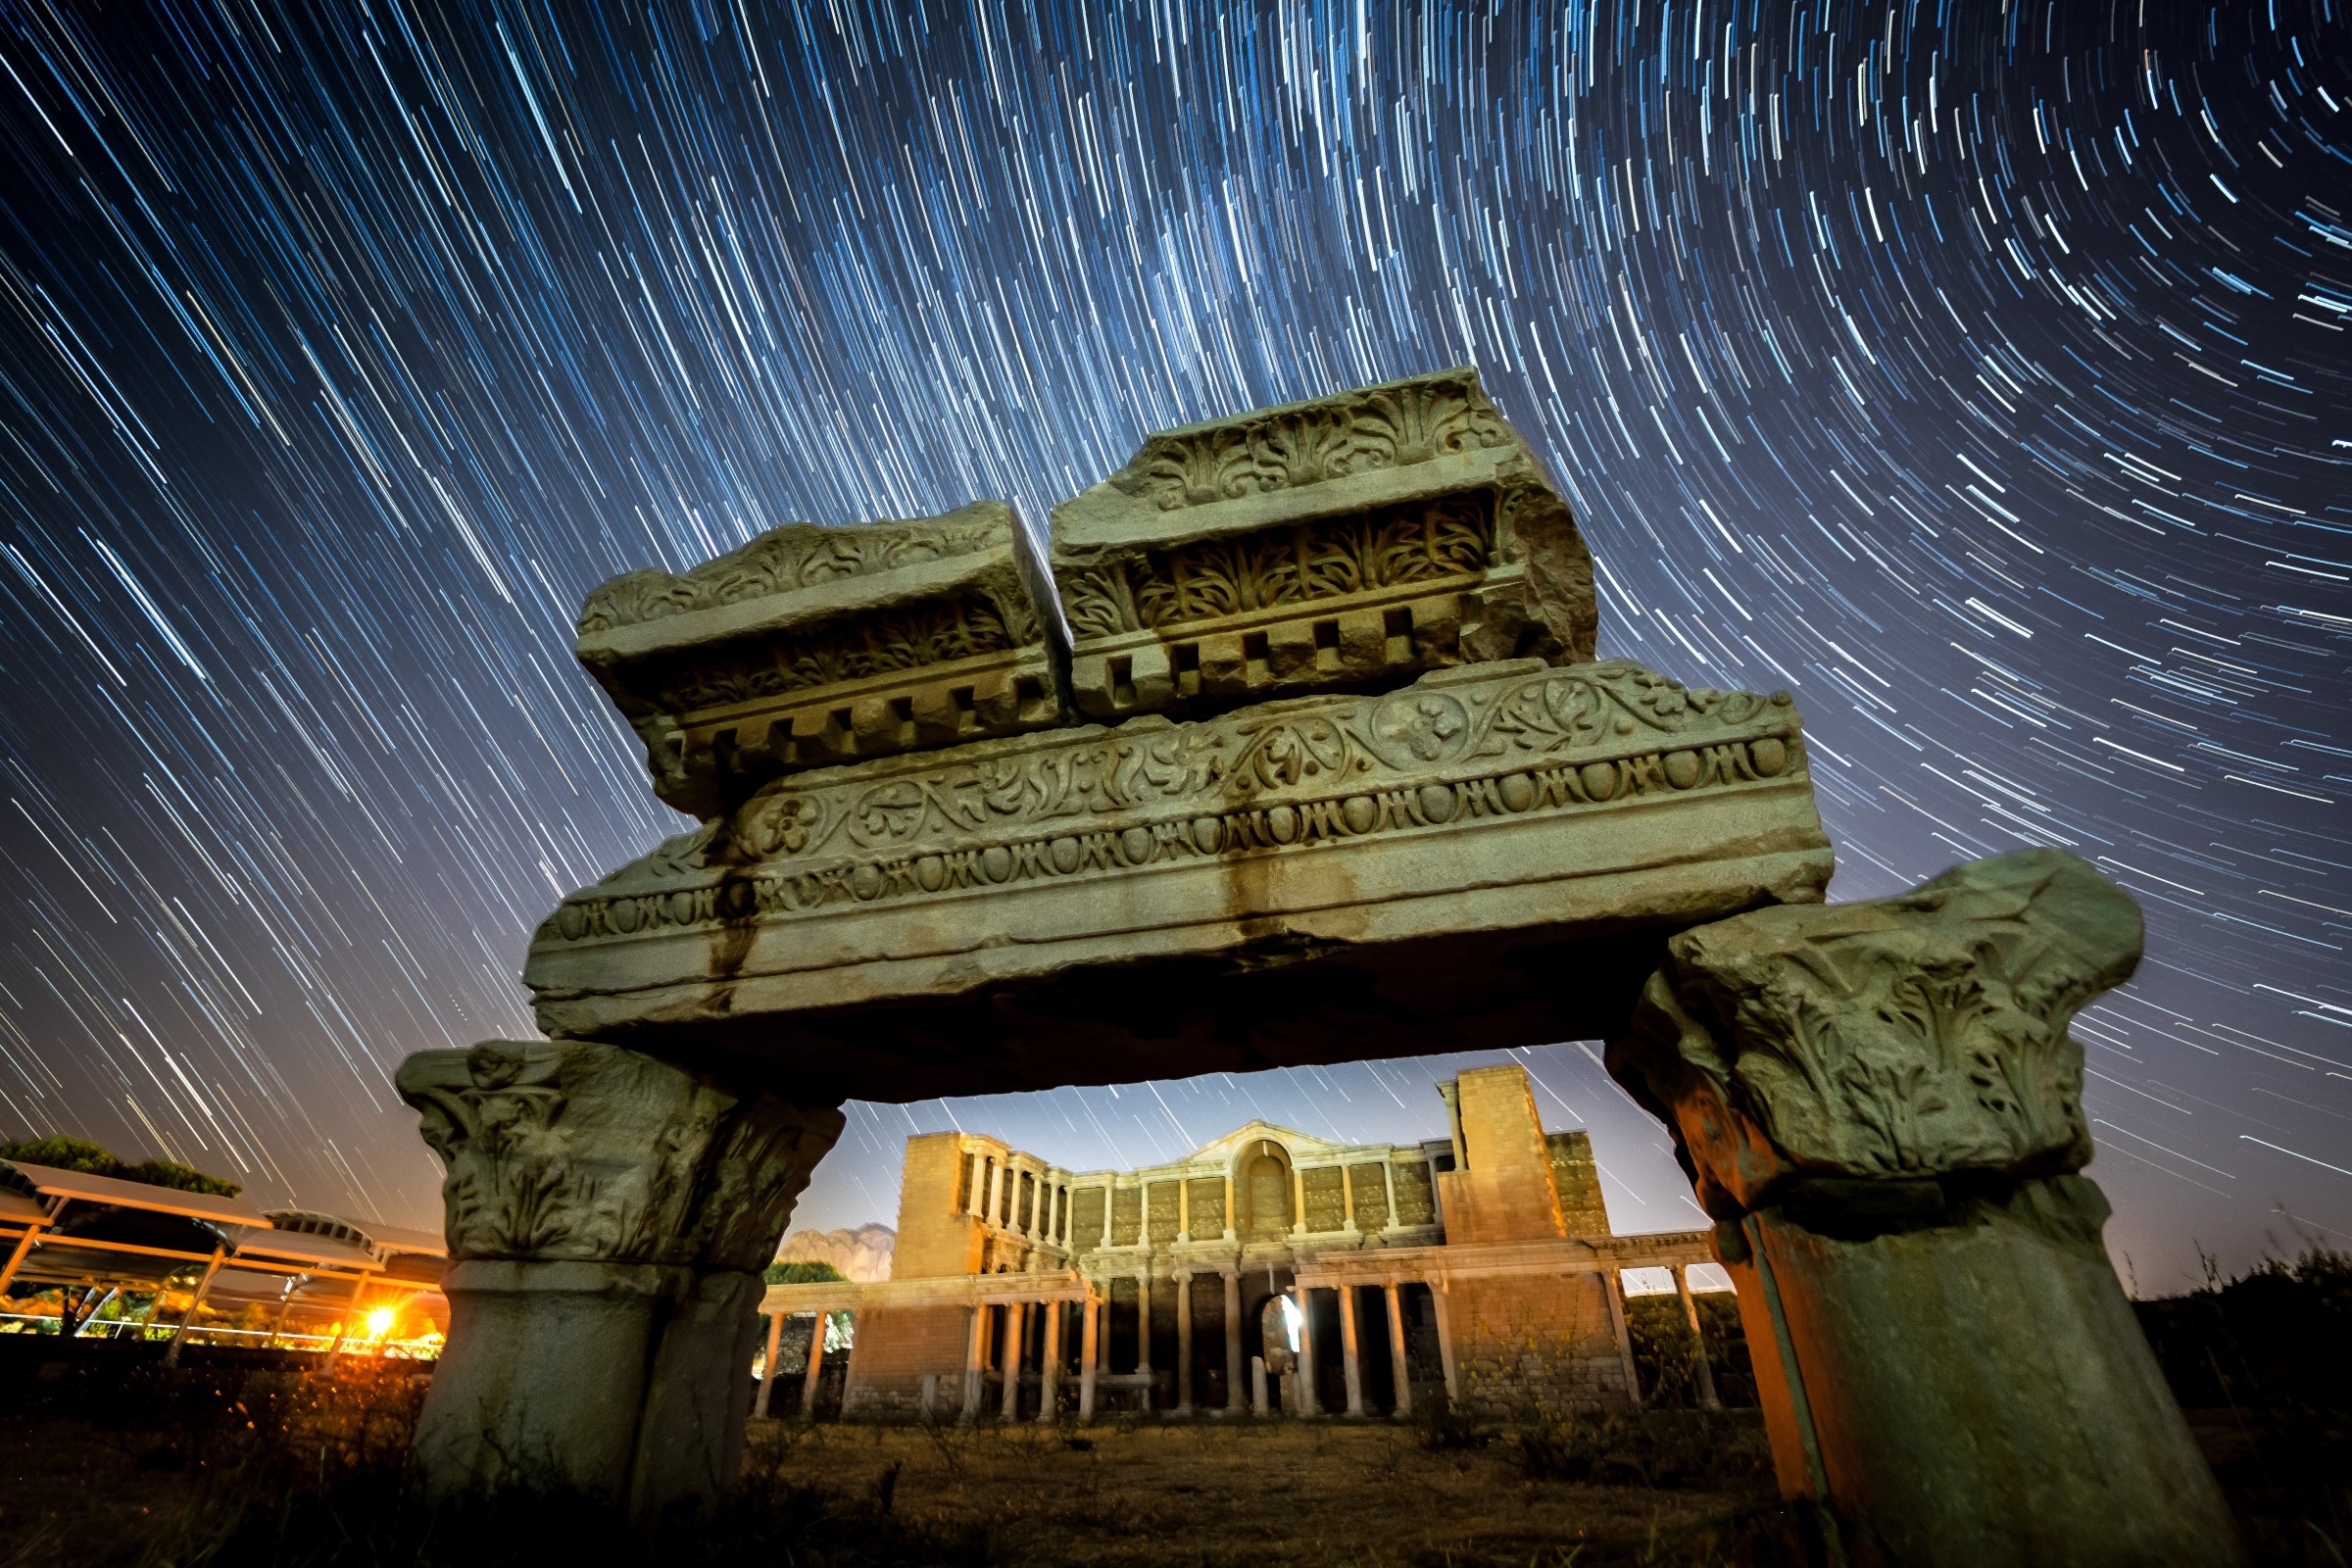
{"x": 1656, "y": 1448}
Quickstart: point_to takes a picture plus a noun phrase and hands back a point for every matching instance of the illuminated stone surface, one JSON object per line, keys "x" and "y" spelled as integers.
{"x": 1348, "y": 542}
{"x": 810, "y": 645}
{"x": 1882, "y": 1107}
{"x": 1490, "y": 856}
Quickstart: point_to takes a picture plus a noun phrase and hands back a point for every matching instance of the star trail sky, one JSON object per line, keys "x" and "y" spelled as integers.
{"x": 1979, "y": 372}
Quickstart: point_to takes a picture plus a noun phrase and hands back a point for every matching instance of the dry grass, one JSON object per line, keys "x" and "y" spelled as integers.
{"x": 1260, "y": 1493}
{"x": 144, "y": 1469}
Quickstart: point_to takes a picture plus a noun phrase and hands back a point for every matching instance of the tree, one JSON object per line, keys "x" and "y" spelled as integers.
{"x": 81, "y": 1156}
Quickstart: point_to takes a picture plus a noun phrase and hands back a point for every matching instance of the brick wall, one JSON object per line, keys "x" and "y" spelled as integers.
{"x": 1577, "y": 1179}
{"x": 895, "y": 1346}
{"x": 937, "y": 1239}
{"x": 1523, "y": 1343}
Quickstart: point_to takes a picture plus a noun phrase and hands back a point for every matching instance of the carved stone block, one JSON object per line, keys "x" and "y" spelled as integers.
{"x": 565, "y": 1149}
{"x": 1349, "y": 542}
{"x": 1906, "y": 1039}
{"x": 607, "y": 1215}
{"x": 813, "y": 646}
{"x": 1495, "y": 853}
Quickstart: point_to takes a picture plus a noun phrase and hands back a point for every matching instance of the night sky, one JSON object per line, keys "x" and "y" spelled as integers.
{"x": 1980, "y": 373}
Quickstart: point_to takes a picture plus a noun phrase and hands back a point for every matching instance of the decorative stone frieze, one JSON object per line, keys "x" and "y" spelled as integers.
{"x": 1350, "y": 541}
{"x": 813, "y": 646}
{"x": 1475, "y": 799}
{"x": 1880, "y": 1105}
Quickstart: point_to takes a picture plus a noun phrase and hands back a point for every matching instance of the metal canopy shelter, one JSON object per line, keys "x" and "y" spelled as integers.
{"x": 70, "y": 1228}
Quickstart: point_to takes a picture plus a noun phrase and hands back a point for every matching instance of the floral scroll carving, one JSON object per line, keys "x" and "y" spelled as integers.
{"x": 1445, "y": 539}
{"x": 1284, "y": 449}
{"x": 781, "y": 561}
{"x": 1910, "y": 1039}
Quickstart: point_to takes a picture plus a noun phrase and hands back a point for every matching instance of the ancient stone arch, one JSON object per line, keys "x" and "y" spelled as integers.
{"x": 1293, "y": 750}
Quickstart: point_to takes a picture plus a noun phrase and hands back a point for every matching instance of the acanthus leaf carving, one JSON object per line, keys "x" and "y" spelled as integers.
{"x": 1913, "y": 1038}
{"x": 571, "y": 1151}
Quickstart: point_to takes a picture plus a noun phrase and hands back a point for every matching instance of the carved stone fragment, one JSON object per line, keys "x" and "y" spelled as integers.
{"x": 1351, "y": 541}
{"x": 811, "y": 645}
{"x": 607, "y": 1215}
{"x": 1880, "y": 1105}
{"x": 1324, "y": 878}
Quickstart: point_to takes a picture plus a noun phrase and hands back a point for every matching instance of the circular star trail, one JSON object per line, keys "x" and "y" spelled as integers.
{"x": 1980, "y": 373}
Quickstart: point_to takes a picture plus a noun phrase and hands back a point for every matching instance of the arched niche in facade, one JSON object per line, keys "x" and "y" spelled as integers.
{"x": 1263, "y": 1191}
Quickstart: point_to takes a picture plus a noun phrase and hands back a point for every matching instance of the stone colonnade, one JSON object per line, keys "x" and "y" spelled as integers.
{"x": 1534, "y": 1267}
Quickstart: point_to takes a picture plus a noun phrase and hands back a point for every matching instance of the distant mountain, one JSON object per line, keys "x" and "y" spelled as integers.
{"x": 864, "y": 1255}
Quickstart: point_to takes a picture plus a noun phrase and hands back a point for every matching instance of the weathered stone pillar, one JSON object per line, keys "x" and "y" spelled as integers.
{"x": 813, "y": 1370}
{"x": 1440, "y": 1303}
{"x": 1143, "y": 1328}
{"x": 608, "y": 1217}
{"x": 1011, "y": 1359}
{"x": 1048, "y": 1365}
{"x": 1351, "y": 1366}
{"x": 1184, "y": 1343}
{"x": 1707, "y": 1398}
{"x": 1613, "y": 1281}
{"x": 975, "y": 1337}
{"x": 1089, "y": 1363}
{"x": 768, "y": 1365}
{"x": 1310, "y": 1398}
{"x": 1234, "y": 1395}
{"x": 1398, "y": 1372}
{"x": 1880, "y": 1105}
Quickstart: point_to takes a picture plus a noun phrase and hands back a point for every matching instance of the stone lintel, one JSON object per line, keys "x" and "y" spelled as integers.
{"x": 813, "y": 646}
{"x": 1489, "y": 856}
{"x": 1346, "y": 542}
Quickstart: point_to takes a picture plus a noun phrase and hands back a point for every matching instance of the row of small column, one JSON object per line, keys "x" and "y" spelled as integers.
{"x": 1351, "y": 1364}
{"x": 1184, "y": 1203}
{"x": 810, "y": 1376}
{"x": 988, "y": 1192}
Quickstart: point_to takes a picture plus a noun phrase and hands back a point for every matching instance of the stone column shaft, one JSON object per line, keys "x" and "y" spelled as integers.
{"x": 1234, "y": 1395}
{"x": 1612, "y": 1281}
{"x": 1707, "y": 1399}
{"x": 1048, "y": 1366}
{"x": 767, "y": 1366}
{"x": 813, "y": 1375}
{"x": 1011, "y": 1359}
{"x": 1184, "y": 1344}
{"x": 1310, "y": 1398}
{"x": 1089, "y": 1331}
{"x": 1398, "y": 1373}
{"x": 1442, "y": 1305}
{"x": 1143, "y": 1329}
{"x": 975, "y": 1335}
{"x": 1351, "y": 1366}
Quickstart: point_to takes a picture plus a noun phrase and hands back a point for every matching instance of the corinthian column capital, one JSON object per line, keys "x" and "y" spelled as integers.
{"x": 1901, "y": 1041}
{"x": 569, "y": 1151}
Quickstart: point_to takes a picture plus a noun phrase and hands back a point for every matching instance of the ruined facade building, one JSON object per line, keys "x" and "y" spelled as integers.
{"x": 1347, "y": 1280}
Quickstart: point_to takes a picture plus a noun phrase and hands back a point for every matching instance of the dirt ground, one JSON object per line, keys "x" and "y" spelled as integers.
{"x": 1206, "y": 1492}
{"x": 1260, "y": 1493}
